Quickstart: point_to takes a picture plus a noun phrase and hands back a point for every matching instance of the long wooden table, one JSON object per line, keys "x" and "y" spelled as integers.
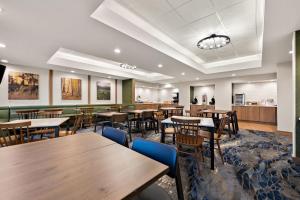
{"x": 204, "y": 122}
{"x": 54, "y": 123}
{"x": 83, "y": 166}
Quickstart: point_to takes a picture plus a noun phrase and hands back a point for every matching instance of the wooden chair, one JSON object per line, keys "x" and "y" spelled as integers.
{"x": 87, "y": 116}
{"x": 14, "y": 133}
{"x": 178, "y": 111}
{"x": 121, "y": 121}
{"x": 217, "y": 136}
{"x": 77, "y": 126}
{"x": 27, "y": 114}
{"x": 187, "y": 113}
{"x": 187, "y": 135}
{"x": 50, "y": 132}
{"x": 158, "y": 117}
{"x": 55, "y": 113}
{"x": 147, "y": 117}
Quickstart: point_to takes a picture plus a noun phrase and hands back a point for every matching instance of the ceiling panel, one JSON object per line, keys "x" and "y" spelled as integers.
{"x": 222, "y": 4}
{"x": 169, "y": 22}
{"x": 177, "y": 3}
{"x": 195, "y": 10}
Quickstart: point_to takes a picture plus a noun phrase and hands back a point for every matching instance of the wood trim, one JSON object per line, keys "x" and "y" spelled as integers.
{"x": 116, "y": 91}
{"x": 89, "y": 89}
{"x": 50, "y": 87}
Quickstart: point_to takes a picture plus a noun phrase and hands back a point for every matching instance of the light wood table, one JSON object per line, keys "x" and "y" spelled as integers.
{"x": 204, "y": 122}
{"x": 44, "y": 123}
{"x": 83, "y": 166}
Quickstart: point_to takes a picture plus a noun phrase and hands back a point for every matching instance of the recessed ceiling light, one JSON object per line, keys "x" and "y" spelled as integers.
{"x": 117, "y": 51}
{"x": 4, "y": 61}
{"x": 291, "y": 52}
{"x": 233, "y": 74}
{"x": 109, "y": 77}
{"x": 160, "y": 65}
{"x": 2, "y": 45}
{"x": 72, "y": 71}
{"x": 182, "y": 73}
{"x": 1, "y": 10}
{"x": 197, "y": 78}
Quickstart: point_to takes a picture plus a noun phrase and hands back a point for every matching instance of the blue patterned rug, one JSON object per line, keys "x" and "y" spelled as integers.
{"x": 258, "y": 165}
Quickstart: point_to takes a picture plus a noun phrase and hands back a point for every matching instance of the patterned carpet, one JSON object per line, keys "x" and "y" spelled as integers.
{"x": 258, "y": 165}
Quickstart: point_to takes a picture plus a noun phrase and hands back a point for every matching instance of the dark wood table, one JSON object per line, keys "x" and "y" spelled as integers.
{"x": 204, "y": 122}
{"x": 54, "y": 123}
{"x": 216, "y": 113}
{"x": 167, "y": 109}
{"x": 83, "y": 166}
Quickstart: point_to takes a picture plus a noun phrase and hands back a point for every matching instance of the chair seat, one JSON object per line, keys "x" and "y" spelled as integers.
{"x": 64, "y": 133}
{"x": 206, "y": 135}
{"x": 170, "y": 130}
{"x": 153, "y": 192}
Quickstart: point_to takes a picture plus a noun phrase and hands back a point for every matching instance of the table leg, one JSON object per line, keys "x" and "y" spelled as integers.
{"x": 212, "y": 148}
{"x": 56, "y": 131}
{"x": 162, "y": 136}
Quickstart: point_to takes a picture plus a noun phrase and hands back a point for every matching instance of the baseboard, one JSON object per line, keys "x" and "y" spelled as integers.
{"x": 284, "y": 133}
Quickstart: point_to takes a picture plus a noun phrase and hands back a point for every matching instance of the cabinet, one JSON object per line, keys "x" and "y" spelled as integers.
{"x": 263, "y": 114}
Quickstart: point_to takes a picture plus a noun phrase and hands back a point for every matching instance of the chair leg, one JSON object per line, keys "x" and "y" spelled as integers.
{"x": 196, "y": 155}
{"x": 220, "y": 151}
{"x": 174, "y": 138}
{"x": 229, "y": 129}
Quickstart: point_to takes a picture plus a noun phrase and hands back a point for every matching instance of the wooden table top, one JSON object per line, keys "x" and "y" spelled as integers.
{"x": 82, "y": 166}
{"x": 108, "y": 114}
{"x": 216, "y": 111}
{"x": 141, "y": 111}
{"x": 43, "y": 122}
{"x": 204, "y": 122}
{"x": 170, "y": 108}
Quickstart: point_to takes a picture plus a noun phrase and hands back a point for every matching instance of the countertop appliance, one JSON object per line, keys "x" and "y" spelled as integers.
{"x": 239, "y": 99}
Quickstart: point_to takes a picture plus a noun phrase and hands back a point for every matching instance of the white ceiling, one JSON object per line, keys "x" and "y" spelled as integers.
{"x": 188, "y": 21}
{"x": 34, "y": 30}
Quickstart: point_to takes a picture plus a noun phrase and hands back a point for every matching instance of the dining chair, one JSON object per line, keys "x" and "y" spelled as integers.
{"x": 87, "y": 116}
{"x": 120, "y": 120}
{"x": 178, "y": 111}
{"x": 116, "y": 135}
{"x": 187, "y": 137}
{"x": 158, "y": 117}
{"x": 53, "y": 113}
{"x": 147, "y": 117}
{"x": 217, "y": 135}
{"x": 164, "y": 154}
{"x": 14, "y": 133}
{"x": 77, "y": 126}
{"x": 27, "y": 114}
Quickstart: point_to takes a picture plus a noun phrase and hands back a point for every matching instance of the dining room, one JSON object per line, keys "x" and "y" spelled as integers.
{"x": 141, "y": 100}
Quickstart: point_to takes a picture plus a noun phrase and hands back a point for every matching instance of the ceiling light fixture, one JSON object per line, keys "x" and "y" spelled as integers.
{"x": 1, "y": 10}
{"x": 160, "y": 65}
{"x": 213, "y": 42}
{"x": 233, "y": 74}
{"x": 117, "y": 51}
{"x": 2, "y": 45}
{"x": 197, "y": 78}
{"x": 72, "y": 71}
{"x": 126, "y": 66}
{"x": 4, "y": 61}
{"x": 109, "y": 77}
{"x": 182, "y": 73}
{"x": 291, "y": 52}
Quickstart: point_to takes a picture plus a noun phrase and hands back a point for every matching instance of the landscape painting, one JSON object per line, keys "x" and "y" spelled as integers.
{"x": 103, "y": 90}
{"x": 71, "y": 89}
{"x": 23, "y": 86}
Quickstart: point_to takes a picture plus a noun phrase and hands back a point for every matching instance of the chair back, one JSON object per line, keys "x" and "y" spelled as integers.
{"x": 13, "y": 133}
{"x": 178, "y": 111}
{"x": 87, "y": 115}
{"x": 187, "y": 131}
{"x": 27, "y": 114}
{"x": 160, "y": 152}
{"x": 120, "y": 118}
{"x": 159, "y": 116}
{"x": 55, "y": 113}
{"x": 116, "y": 135}
{"x": 220, "y": 130}
{"x": 147, "y": 115}
{"x": 77, "y": 123}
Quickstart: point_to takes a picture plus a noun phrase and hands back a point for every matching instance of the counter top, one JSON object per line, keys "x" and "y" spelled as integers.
{"x": 256, "y": 106}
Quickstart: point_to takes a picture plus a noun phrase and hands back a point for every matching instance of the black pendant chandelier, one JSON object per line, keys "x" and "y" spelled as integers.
{"x": 213, "y": 42}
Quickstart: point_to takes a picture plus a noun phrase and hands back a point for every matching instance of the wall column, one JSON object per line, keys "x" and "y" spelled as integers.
{"x": 50, "y": 87}
{"x": 89, "y": 89}
{"x": 128, "y": 91}
{"x": 296, "y": 65}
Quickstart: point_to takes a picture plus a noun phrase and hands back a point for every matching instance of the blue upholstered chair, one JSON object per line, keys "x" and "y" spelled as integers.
{"x": 117, "y": 135}
{"x": 164, "y": 154}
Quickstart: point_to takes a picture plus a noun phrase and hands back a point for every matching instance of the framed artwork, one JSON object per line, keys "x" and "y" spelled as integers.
{"x": 23, "y": 86}
{"x": 70, "y": 89}
{"x": 103, "y": 90}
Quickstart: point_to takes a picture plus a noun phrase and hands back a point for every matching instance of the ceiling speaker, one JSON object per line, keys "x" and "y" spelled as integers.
{"x": 2, "y": 71}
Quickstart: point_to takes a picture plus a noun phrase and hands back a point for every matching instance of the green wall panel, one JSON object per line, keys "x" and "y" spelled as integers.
{"x": 128, "y": 91}
{"x": 192, "y": 89}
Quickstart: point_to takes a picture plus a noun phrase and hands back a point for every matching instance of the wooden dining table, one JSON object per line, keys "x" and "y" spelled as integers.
{"x": 207, "y": 123}
{"x": 166, "y": 110}
{"x": 82, "y": 166}
{"x": 215, "y": 113}
{"x": 54, "y": 123}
